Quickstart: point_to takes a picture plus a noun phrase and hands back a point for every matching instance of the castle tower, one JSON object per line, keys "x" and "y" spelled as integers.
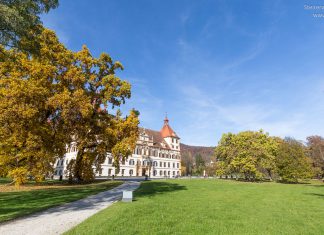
{"x": 170, "y": 136}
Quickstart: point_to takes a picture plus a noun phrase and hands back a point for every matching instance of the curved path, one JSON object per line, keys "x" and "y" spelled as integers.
{"x": 58, "y": 220}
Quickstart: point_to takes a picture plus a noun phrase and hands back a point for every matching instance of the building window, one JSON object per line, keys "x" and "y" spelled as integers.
{"x": 169, "y": 164}
{"x": 123, "y": 172}
{"x": 155, "y": 163}
{"x": 164, "y": 164}
{"x": 164, "y": 172}
{"x": 160, "y": 165}
{"x": 109, "y": 160}
{"x": 131, "y": 162}
{"x": 109, "y": 171}
{"x": 130, "y": 172}
{"x": 62, "y": 162}
{"x": 173, "y": 165}
{"x": 161, "y": 172}
{"x": 173, "y": 173}
{"x": 168, "y": 172}
{"x": 177, "y": 165}
{"x": 60, "y": 172}
{"x": 154, "y": 173}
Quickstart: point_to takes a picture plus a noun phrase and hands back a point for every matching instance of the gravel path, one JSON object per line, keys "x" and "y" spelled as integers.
{"x": 58, "y": 220}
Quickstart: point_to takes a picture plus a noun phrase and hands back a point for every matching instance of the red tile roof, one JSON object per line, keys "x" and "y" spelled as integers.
{"x": 158, "y": 136}
{"x": 166, "y": 130}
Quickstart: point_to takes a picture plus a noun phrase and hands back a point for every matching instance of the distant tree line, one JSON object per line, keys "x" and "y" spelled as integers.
{"x": 197, "y": 165}
{"x": 257, "y": 156}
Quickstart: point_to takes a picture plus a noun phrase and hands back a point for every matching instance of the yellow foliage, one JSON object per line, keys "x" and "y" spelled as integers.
{"x": 19, "y": 176}
{"x": 49, "y": 99}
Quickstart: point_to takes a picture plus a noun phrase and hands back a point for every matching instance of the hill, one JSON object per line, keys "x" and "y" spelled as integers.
{"x": 206, "y": 152}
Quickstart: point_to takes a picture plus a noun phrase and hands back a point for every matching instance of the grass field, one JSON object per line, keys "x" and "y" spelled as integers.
{"x": 36, "y": 197}
{"x": 213, "y": 207}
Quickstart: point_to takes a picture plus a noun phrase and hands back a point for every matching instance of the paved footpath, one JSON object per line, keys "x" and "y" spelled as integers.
{"x": 58, "y": 220}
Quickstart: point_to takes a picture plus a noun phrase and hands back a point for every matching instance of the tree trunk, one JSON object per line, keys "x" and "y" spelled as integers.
{"x": 78, "y": 165}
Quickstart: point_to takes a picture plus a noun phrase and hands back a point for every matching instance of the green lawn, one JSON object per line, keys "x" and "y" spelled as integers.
{"x": 213, "y": 207}
{"x": 36, "y": 198}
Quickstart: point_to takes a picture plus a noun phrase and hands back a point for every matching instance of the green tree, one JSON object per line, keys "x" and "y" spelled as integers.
{"x": 248, "y": 154}
{"x": 19, "y": 19}
{"x": 199, "y": 164}
{"x": 292, "y": 162}
{"x": 187, "y": 161}
{"x": 57, "y": 97}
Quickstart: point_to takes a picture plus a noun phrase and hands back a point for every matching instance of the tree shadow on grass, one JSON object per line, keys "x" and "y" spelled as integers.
{"x": 316, "y": 185}
{"x": 19, "y": 203}
{"x": 151, "y": 188}
{"x": 316, "y": 194}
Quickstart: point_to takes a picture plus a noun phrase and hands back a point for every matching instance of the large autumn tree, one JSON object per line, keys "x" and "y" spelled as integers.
{"x": 55, "y": 97}
{"x": 247, "y": 154}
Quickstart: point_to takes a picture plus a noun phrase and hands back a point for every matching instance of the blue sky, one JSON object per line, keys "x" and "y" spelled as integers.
{"x": 213, "y": 66}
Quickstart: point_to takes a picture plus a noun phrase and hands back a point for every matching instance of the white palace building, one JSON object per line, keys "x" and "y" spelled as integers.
{"x": 157, "y": 155}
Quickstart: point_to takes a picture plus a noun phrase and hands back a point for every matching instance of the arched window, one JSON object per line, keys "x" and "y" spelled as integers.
{"x": 154, "y": 173}
{"x": 154, "y": 163}
{"x": 130, "y": 172}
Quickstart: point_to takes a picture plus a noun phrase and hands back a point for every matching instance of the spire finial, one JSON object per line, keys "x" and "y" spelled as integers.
{"x": 166, "y": 120}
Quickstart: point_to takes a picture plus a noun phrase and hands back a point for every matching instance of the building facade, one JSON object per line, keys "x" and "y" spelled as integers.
{"x": 157, "y": 155}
